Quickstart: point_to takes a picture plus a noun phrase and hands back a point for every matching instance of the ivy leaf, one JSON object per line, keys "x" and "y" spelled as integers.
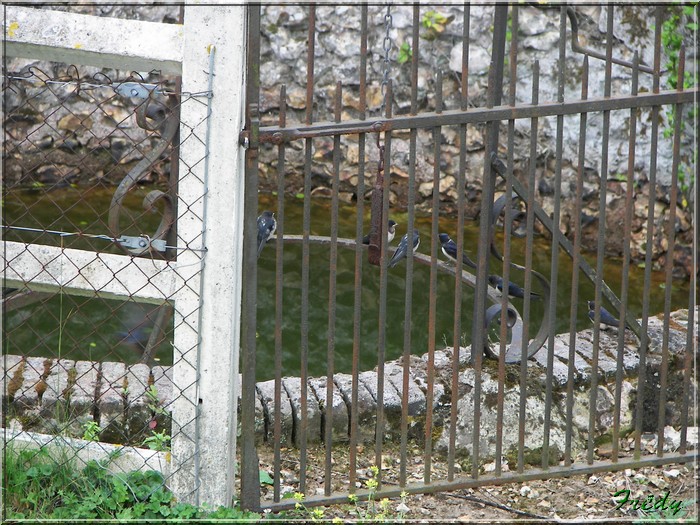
{"x": 265, "y": 478}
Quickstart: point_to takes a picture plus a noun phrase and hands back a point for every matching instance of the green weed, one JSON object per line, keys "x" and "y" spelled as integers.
{"x": 40, "y": 485}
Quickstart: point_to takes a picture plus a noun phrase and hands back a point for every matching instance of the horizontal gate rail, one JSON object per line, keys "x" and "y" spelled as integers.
{"x": 279, "y": 134}
{"x": 529, "y": 475}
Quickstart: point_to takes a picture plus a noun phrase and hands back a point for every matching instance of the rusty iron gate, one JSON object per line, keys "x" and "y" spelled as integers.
{"x": 515, "y": 346}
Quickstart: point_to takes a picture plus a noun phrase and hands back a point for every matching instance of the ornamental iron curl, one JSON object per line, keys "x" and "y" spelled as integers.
{"x": 514, "y": 347}
{"x": 151, "y": 115}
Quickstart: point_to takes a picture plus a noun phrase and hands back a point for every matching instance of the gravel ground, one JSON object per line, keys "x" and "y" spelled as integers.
{"x": 577, "y": 498}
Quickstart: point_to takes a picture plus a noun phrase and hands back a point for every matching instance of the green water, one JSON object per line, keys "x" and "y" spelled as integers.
{"x": 94, "y": 329}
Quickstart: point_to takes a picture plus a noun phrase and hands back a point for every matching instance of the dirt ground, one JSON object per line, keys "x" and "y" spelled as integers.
{"x": 578, "y": 498}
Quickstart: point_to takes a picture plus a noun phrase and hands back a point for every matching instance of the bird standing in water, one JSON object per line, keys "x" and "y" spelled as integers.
{"x": 402, "y": 249}
{"x": 267, "y": 225}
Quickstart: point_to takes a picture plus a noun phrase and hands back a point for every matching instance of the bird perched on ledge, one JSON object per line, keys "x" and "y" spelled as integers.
{"x": 449, "y": 248}
{"x": 267, "y": 225}
{"x": 606, "y": 318}
{"x": 513, "y": 289}
{"x": 402, "y": 249}
{"x": 390, "y": 232}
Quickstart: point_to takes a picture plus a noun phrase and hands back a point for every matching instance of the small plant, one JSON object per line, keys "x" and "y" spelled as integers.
{"x": 265, "y": 478}
{"x": 672, "y": 34}
{"x": 158, "y": 441}
{"x": 405, "y": 53}
{"x": 301, "y": 511}
{"x": 153, "y": 402}
{"x": 378, "y": 511}
{"x": 672, "y": 40}
{"x": 43, "y": 486}
{"x": 435, "y": 24}
{"x": 669, "y": 515}
{"x": 91, "y": 431}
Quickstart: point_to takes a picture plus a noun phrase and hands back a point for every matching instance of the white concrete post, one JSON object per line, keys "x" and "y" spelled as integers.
{"x": 207, "y": 336}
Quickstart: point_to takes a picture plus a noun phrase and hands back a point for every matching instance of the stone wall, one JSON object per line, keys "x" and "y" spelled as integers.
{"x": 283, "y": 62}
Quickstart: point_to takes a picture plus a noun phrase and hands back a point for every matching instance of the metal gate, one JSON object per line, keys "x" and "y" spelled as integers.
{"x": 376, "y": 134}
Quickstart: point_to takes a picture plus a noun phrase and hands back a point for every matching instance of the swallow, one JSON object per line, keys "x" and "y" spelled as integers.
{"x": 136, "y": 338}
{"x": 402, "y": 249}
{"x": 449, "y": 248}
{"x": 267, "y": 225}
{"x": 513, "y": 289}
{"x": 391, "y": 231}
{"x": 606, "y": 317}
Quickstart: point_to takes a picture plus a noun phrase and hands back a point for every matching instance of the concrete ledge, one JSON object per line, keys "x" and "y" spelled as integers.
{"x": 92, "y": 40}
{"x": 121, "y": 458}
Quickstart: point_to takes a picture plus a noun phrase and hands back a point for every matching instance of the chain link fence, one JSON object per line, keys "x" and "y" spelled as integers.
{"x": 90, "y": 208}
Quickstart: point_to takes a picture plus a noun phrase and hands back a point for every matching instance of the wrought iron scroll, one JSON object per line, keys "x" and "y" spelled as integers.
{"x": 514, "y": 347}
{"x": 151, "y": 115}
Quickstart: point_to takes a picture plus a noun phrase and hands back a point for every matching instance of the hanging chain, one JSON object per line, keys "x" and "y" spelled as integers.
{"x": 386, "y": 45}
{"x": 378, "y": 222}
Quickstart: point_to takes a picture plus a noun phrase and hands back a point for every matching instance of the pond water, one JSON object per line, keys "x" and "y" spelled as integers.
{"x": 98, "y": 329}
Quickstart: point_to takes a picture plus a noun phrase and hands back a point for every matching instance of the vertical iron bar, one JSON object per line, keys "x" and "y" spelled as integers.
{"x": 408, "y": 300}
{"x": 688, "y": 359}
{"x": 601, "y": 238}
{"x": 304, "y": 420}
{"x": 624, "y": 293}
{"x": 507, "y": 225}
{"x": 494, "y": 92}
{"x": 357, "y": 313}
{"x": 529, "y": 239}
{"x": 457, "y": 331}
{"x": 644, "y": 343}
{"x": 171, "y": 254}
{"x": 381, "y": 343}
{"x": 432, "y": 297}
{"x": 576, "y": 260}
{"x": 250, "y": 480}
{"x": 671, "y": 238}
{"x": 556, "y": 232}
{"x": 332, "y": 294}
{"x": 279, "y": 295}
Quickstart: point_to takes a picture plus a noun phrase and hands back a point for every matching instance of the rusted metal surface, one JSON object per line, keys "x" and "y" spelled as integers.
{"x": 671, "y": 237}
{"x": 624, "y": 294}
{"x": 457, "y": 330}
{"x": 250, "y": 479}
{"x": 455, "y": 117}
{"x": 340, "y": 498}
{"x": 556, "y": 233}
{"x": 644, "y": 340}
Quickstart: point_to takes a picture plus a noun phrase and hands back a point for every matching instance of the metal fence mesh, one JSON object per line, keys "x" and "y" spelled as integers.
{"x": 90, "y": 208}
